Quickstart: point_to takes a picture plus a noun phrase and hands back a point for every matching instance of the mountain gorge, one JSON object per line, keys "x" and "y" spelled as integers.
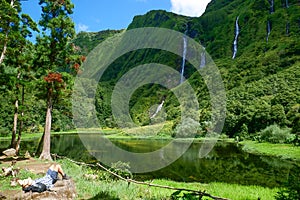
{"x": 261, "y": 79}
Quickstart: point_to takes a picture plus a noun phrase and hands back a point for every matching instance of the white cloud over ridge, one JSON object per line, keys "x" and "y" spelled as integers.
{"x": 193, "y": 8}
{"x": 82, "y": 27}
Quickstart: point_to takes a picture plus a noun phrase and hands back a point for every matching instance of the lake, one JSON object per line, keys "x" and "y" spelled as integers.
{"x": 227, "y": 162}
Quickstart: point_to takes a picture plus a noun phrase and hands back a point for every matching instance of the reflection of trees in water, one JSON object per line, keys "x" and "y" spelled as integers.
{"x": 227, "y": 162}
{"x": 70, "y": 146}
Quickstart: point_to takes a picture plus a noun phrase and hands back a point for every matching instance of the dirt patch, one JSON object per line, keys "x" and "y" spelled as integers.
{"x": 35, "y": 166}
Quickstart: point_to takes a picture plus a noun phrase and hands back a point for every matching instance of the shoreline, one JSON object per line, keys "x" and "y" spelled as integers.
{"x": 283, "y": 151}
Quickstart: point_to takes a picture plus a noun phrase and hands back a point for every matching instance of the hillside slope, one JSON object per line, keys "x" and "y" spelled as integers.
{"x": 261, "y": 79}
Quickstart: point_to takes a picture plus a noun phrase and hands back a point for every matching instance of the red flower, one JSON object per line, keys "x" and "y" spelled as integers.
{"x": 53, "y": 77}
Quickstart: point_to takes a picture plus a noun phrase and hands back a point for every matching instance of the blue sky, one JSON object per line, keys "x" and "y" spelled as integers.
{"x": 97, "y": 15}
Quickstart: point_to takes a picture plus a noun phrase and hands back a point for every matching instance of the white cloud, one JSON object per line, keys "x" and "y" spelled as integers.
{"x": 193, "y": 8}
{"x": 82, "y": 27}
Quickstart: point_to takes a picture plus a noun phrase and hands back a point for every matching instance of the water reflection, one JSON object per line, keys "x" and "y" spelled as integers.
{"x": 227, "y": 162}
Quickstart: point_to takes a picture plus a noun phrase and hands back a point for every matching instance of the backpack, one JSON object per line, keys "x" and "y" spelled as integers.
{"x": 38, "y": 187}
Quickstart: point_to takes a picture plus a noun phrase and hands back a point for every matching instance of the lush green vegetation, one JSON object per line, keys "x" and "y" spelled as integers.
{"x": 291, "y": 188}
{"x": 286, "y": 151}
{"x": 106, "y": 187}
{"x": 261, "y": 83}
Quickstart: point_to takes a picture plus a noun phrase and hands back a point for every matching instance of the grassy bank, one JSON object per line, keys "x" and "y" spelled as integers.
{"x": 285, "y": 151}
{"x": 105, "y": 188}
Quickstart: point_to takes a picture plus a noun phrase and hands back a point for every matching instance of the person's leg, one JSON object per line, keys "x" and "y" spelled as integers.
{"x": 58, "y": 168}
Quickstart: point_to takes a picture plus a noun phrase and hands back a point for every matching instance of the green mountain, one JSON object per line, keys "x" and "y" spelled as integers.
{"x": 88, "y": 41}
{"x": 262, "y": 81}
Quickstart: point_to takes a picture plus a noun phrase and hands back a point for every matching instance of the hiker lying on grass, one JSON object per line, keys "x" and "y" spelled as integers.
{"x": 44, "y": 183}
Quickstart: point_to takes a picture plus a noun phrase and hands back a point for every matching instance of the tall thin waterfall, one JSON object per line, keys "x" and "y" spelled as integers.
{"x": 272, "y": 9}
{"x": 159, "y": 107}
{"x": 286, "y": 3}
{"x": 287, "y": 28}
{"x": 183, "y": 58}
{"x": 235, "y": 42}
{"x": 203, "y": 60}
{"x": 268, "y": 30}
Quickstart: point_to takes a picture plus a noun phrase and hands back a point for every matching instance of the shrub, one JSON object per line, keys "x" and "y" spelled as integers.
{"x": 274, "y": 134}
{"x": 122, "y": 169}
{"x": 4, "y": 132}
{"x": 186, "y": 129}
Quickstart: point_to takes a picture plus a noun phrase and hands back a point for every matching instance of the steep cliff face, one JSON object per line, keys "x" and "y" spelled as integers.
{"x": 266, "y": 52}
{"x": 216, "y": 27}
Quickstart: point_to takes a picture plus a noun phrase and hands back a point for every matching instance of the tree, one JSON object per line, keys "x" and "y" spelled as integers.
{"x": 21, "y": 64}
{"x": 14, "y": 28}
{"x": 55, "y": 60}
{"x": 7, "y": 19}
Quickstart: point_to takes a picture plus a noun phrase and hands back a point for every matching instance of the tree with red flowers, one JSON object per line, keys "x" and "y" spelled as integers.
{"x": 56, "y": 61}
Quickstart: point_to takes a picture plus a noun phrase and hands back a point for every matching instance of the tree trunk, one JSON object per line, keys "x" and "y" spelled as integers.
{"x": 4, "y": 50}
{"x": 45, "y": 155}
{"x": 20, "y": 124}
{"x": 14, "y": 131}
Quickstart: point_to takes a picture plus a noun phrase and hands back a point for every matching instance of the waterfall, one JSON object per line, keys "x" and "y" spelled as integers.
{"x": 203, "y": 60}
{"x": 287, "y": 3}
{"x": 268, "y": 30}
{"x": 183, "y": 58}
{"x": 272, "y": 10}
{"x": 287, "y": 29}
{"x": 235, "y": 43}
{"x": 159, "y": 107}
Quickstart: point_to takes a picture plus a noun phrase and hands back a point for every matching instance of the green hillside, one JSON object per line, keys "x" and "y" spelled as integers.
{"x": 88, "y": 41}
{"x": 262, "y": 82}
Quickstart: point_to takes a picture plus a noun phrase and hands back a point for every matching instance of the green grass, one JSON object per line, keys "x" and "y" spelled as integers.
{"x": 5, "y": 181}
{"x": 105, "y": 187}
{"x": 286, "y": 151}
{"x": 26, "y": 136}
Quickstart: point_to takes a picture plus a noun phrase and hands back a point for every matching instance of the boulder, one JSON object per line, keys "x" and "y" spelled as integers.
{"x": 27, "y": 155}
{"x": 9, "y": 152}
{"x": 10, "y": 171}
{"x": 2, "y": 196}
{"x": 63, "y": 189}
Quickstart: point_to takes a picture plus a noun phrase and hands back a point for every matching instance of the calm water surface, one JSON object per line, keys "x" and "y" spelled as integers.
{"x": 227, "y": 162}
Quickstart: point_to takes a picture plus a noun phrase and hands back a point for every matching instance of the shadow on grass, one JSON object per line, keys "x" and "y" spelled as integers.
{"x": 104, "y": 196}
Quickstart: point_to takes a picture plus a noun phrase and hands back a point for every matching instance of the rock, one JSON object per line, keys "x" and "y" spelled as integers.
{"x": 7, "y": 171}
{"x": 63, "y": 189}
{"x": 91, "y": 176}
{"x": 3, "y": 157}
{"x": 10, "y": 171}
{"x": 10, "y": 152}
{"x": 13, "y": 182}
{"x": 2, "y": 196}
{"x": 27, "y": 155}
